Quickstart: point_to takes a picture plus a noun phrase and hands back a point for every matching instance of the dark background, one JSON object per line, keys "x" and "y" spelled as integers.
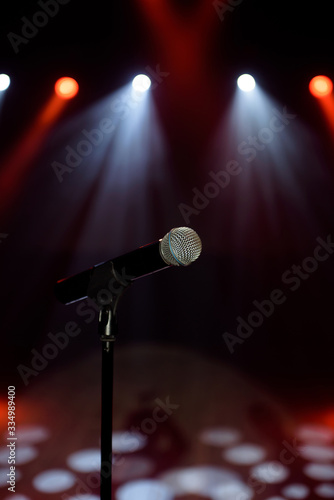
{"x": 260, "y": 226}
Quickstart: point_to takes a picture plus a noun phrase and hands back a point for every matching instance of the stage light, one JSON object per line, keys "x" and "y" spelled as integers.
{"x": 4, "y": 82}
{"x": 246, "y": 83}
{"x": 66, "y": 87}
{"x": 321, "y": 86}
{"x": 141, "y": 83}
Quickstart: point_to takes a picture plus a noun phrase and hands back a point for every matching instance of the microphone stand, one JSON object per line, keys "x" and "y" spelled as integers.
{"x": 107, "y": 297}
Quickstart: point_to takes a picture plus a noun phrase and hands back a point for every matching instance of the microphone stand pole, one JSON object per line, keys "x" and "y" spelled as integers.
{"x": 106, "y": 288}
{"x": 107, "y": 329}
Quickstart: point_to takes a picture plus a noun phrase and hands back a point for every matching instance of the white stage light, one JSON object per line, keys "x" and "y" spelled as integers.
{"x": 4, "y": 82}
{"x": 141, "y": 83}
{"x": 246, "y": 83}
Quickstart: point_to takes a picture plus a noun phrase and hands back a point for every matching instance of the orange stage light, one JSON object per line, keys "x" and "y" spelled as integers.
{"x": 66, "y": 87}
{"x": 321, "y": 86}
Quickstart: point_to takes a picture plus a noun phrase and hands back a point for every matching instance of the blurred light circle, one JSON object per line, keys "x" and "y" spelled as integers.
{"x": 23, "y": 455}
{"x": 146, "y": 489}
{"x": 17, "y": 497}
{"x": 325, "y": 490}
{"x": 4, "y": 477}
{"x": 83, "y": 497}
{"x": 275, "y": 498}
{"x": 270, "y": 472}
{"x": 128, "y": 442}
{"x": 85, "y": 460}
{"x": 129, "y": 467}
{"x": 244, "y": 454}
{"x": 246, "y": 83}
{"x": 4, "y": 82}
{"x": 141, "y": 83}
{"x": 322, "y": 472}
{"x": 29, "y": 434}
{"x": 317, "y": 453}
{"x": 318, "y": 434}
{"x": 220, "y": 436}
{"x": 296, "y": 491}
{"x": 66, "y": 87}
{"x": 232, "y": 491}
{"x": 321, "y": 86}
{"x": 54, "y": 481}
{"x": 200, "y": 480}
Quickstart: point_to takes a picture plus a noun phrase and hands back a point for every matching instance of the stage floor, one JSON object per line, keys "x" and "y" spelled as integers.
{"x": 185, "y": 427}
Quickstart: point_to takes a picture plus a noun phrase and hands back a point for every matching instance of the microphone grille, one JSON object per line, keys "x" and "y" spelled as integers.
{"x": 180, "y": 247}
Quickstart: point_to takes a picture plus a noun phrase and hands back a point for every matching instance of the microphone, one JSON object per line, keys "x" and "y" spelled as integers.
{"x": 180, "y": 247}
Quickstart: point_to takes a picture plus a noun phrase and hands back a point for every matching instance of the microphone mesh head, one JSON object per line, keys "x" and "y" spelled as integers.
{"x": 180, "y": 247}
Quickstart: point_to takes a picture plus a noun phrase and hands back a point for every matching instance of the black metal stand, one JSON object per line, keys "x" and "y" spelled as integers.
{"x": 107, "y": 298}
{"x": 107, "y": 327}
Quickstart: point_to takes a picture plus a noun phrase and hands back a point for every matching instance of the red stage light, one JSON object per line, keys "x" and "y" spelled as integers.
{"x": 66, "y": 87}
{"x": 321, "y": 86}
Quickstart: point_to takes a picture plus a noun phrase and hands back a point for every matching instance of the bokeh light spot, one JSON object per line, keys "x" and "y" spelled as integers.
{"x": 321, "y": 86}
{"x": 141, "y": 83}
{"x": 270, "y": 472}
{"x": 54, "y": 481}
{"x": 322, "y": 472}
{"x": 325, "y": 490}
{"x": 220, "y": 436}
{"x": 244, "y": 454}
{"x": 296, "y": 491}
{"x": 66, "y": 87}
{"x": 246, "y": 83}
{"x": 4, "y": 82}
{"x": 85, "y": 460}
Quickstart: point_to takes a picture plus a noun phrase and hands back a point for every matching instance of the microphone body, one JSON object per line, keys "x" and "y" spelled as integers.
{"x": 179, "y": 247}
{"x": 131, "y": 266}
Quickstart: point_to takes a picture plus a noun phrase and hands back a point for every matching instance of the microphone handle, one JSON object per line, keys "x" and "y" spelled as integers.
{"x": 131, "y": 266}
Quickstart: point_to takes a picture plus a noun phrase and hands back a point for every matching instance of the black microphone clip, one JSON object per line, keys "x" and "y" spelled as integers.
{"x": 106, "y": 285}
